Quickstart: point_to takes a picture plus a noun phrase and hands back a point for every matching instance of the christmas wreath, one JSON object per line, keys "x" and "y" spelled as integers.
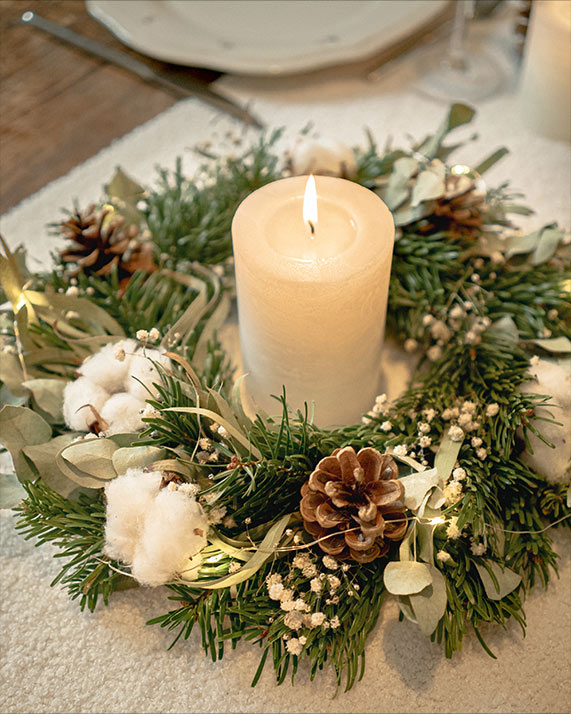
{"x": 134, "y": 456}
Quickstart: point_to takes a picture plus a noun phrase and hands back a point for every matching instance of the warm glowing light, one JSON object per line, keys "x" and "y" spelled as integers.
{"x": 310, "y": 205}
{"x": 21, "y": 302}
{"x": 461, "y": 170}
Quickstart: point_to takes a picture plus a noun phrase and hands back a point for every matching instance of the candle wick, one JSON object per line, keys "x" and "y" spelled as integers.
{"x": 311, "y": 227}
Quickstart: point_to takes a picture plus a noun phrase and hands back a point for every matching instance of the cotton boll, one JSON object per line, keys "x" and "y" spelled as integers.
{"x": 326, "y": 157}
{"x": 174, "y": 531}
{"x": 129, "y": 499}
{"x": 553, "y": 378}
{"x": 143, "y": 373}
{"x": 122, "y": 413}
{"x": 104, "y": 367}
{"x": 78, "y": 394}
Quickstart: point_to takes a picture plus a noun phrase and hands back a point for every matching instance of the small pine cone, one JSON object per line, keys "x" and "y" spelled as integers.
{"x": 460, "y": 211}
{"x": 98, "y": 245}
{"x": 357, "y": 501}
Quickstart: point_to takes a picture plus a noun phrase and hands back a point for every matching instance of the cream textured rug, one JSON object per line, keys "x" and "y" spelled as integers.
{"x": 56, "y": 659}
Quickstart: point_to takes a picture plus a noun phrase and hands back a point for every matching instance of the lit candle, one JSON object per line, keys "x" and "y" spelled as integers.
{"x": 312, "y": 284}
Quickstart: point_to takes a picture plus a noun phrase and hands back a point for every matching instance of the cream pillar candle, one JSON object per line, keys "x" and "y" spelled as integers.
{"x": 312, "y": 304}
{"x": 545, "y": 91}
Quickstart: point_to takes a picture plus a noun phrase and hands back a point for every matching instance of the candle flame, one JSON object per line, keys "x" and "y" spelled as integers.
{"x": 310, "y": 205}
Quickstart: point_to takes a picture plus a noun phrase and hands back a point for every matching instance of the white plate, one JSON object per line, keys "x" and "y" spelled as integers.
{"x": 263, "y": 36}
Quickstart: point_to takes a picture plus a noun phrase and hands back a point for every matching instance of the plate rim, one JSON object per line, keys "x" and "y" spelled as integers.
{"x": 318, "y": 58}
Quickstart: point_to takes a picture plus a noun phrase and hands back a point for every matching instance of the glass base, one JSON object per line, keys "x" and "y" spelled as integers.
{"x": 478, "y": 76}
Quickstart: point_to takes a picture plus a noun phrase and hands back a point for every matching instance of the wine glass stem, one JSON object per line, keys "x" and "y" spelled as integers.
{"x": 457, "y": 54}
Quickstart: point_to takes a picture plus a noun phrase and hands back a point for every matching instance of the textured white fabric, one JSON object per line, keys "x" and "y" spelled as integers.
{"x": 56, "y": 659}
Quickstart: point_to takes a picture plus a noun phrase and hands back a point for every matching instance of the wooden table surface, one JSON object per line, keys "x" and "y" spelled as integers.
{"x": 58, "y": 105}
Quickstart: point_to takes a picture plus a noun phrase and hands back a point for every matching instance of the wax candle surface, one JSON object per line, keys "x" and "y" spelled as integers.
{"x": 545, "y": 91}
{"x": 312, "y": 309}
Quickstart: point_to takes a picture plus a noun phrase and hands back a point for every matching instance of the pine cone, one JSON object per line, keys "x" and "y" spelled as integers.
{"x": 98, "y": 247}
{"x": 357, "y": 500}
{"x": 460, "y": 210}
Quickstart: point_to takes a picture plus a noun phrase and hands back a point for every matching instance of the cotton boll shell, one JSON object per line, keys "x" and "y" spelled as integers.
{"x": 78, "y": 394}
{"x": 143, "y": 373}
{"x": 174, "y": 531}
{"x": 129, "y": 498}
{"x": 122, "y": 413}
{"x": 105, "y": 369}
{"x": 554, "y": 378}
{"x": 325, "y": 157}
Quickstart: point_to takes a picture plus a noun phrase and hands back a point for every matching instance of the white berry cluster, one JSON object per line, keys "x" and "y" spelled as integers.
{"x": 379, "y": 407}
{"x": 301, "y": 609}
{"x": 441, "y": 328}
{"x": 215, "y": 514}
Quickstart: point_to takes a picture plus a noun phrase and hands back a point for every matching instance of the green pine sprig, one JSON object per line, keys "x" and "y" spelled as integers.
{"x": 76, "y": 527}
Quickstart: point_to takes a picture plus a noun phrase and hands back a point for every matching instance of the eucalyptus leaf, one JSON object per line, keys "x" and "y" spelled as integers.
{"x": 554, "y": 344}
{"x": 11, "y": 278}
{"x": 48, "y": 395}
{"x": 21, "y": 427}
{"x": 171, "y": 465}
{"x": 7, "y": 397}
{"x": 428, "y": 186}
{"x": 123, "y": 187}
{"x": 408, "y": 214}
{"x": 429, "y": 605}
{"x": 446, "y": 457}
{"x": 88, "y": 462}
{"x": 405, "y": 547}
{"x": 517, "y": 245}
{"x": 422, "y": 506}
{"x": 425, "y": 533}
{"x": 406, "y": 609}
{"x": 507, "y": 580}
{"x": 265, "y": 550}
{"x": 11, "y": 375}
{"x": 568, "y": 498}
{"x": 436, "y": 499}
{"x": 49, "y": 357}
{"x": 416, "y": 486}
{"x": 11, "y": 491}
{"x": 22, "y": 321}
{"x": 123, "y": 440}
{"x": 397, "y": 190}
{"x": 52, "y": 306}
{"x": 406, "y": 578}
{"x": 44, "y": 458}
{"x": 491, "y": 160}
{"x": 458, "y": 115}
{"x": 125, "y": 193}
{"x": 135, "y": 457}
{"x": 547, "y": 245}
